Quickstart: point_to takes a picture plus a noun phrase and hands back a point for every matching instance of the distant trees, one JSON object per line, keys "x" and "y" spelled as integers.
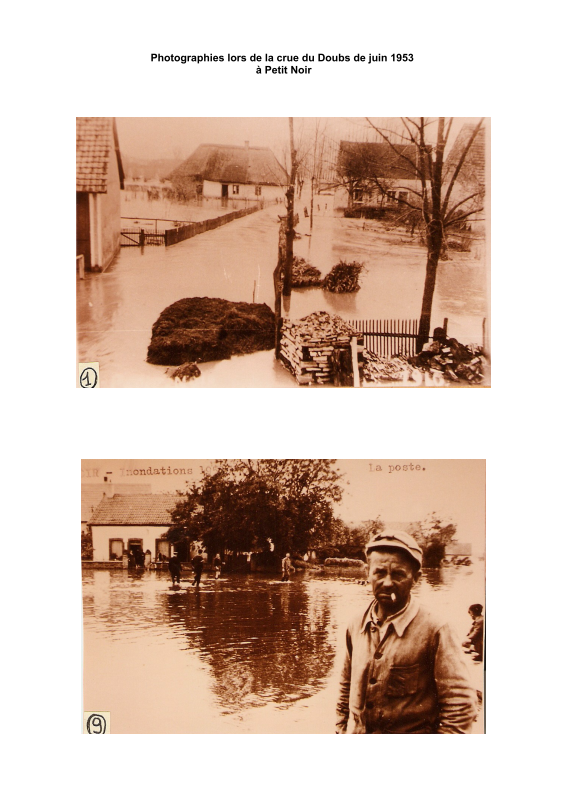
{"x": 433, "y": 534}
{"x": 86, "y": 545}
{"x": 259, "y": 505}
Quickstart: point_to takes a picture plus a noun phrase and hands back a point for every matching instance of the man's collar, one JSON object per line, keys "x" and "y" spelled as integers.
{"x": 399, "y": 620}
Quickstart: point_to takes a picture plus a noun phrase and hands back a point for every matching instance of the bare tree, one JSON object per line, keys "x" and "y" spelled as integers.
{"x": 431, "y": 194}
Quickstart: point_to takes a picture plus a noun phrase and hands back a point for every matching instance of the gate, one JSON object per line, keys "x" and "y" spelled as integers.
{"x": 389, "y": 337}
{"x": 139, "y": 237}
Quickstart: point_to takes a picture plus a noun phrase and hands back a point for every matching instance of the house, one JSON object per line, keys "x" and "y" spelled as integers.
{"x": 100, "y": 178}
{"x": 92, "y": 493}
{"x": 125, "y": 522}
{"x": 229, "y": 172}
{"x": 373, "y": 173}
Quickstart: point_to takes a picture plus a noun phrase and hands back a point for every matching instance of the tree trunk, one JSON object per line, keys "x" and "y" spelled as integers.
{"x": 434, "y": 246}
{"x": 289, "y": 232}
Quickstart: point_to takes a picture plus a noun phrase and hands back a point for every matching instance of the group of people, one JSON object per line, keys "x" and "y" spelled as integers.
{"x": 198, "y": 563}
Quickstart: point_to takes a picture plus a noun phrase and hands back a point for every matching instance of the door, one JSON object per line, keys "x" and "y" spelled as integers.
{"x": 224, "y": 194}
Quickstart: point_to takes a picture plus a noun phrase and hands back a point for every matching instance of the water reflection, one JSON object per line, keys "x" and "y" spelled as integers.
{"x": 263, "y": 640}
{"x": 246, "y": 653}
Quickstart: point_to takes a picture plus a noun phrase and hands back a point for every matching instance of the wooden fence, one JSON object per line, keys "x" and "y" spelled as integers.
{"x": 388, "y": 337}
{"x": 173, "y": 236}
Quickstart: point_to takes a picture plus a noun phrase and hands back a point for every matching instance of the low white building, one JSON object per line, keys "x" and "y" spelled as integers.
{"x": 230, "y": 173}
{"x": 132, "y": 522}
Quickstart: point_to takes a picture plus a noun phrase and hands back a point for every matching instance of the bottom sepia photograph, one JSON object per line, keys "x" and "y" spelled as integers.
{"x": 283, "y": 596}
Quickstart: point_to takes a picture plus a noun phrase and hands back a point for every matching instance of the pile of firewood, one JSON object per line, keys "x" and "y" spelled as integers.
{"x": 382, "y": 369}
{"x": 343, "y": 278}
{"x": 307, "y": 346}
{"x": 455, "y": 361}
{"x": 304, "y": 274}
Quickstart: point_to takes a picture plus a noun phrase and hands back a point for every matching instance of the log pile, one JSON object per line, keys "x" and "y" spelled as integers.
{"x": 343, "y": 278}
{"x": 456, "y": 362}
{"x": 304, "y": 274}
{"x": 307, "y": 346}
{"x": 381, "y": 369}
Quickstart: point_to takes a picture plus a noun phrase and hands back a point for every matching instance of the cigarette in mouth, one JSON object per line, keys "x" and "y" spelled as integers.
{"x": 393, "y": 597}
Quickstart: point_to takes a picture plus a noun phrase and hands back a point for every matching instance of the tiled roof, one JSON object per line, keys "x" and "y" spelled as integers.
{"x": 97, "y": 141}
{"x": 91, "y": 494}
{"x": 135, "y": 509}
{"x": 232, "y": 164}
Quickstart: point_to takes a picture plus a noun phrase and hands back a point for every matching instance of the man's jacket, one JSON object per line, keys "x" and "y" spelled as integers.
{"x": 413, "y": 681}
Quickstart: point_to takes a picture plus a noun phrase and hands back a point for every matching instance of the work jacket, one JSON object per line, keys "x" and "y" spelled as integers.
{"x": 414, "y": 680}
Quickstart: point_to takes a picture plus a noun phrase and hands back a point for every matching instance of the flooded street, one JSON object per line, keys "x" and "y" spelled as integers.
{"x": 116, "y": 310}
{"x": 245, "y": 654}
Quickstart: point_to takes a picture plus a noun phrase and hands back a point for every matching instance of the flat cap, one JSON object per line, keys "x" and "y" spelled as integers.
{"x": 396, "y": 539}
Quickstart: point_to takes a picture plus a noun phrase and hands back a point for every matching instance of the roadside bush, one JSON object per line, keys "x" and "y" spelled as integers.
{"x": 343, "y": 278}
{"x": 345, "y": 562}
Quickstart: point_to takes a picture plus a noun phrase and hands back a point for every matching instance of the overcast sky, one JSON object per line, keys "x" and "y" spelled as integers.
{"x": 452, "y": 488}
{"x": 168, "y": 137}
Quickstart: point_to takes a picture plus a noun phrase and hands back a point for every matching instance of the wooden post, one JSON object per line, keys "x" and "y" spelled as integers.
{"x": 354, "y": 352}
{"x": 81, "y": 266}
{"x": 445, "y": 324}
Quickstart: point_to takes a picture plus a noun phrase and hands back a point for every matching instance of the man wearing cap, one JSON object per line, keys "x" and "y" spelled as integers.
{"x": 403, "y": 671}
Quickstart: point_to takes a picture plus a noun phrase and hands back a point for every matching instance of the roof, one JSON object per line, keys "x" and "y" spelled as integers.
{"x": 97, "y": 140}
{"x": 91, "y": 494}
{"x": 475, "y": 161}
{"x": 378, "y": 160}
{"x": 139, "y": 509}
{"x": 232, "y": 164}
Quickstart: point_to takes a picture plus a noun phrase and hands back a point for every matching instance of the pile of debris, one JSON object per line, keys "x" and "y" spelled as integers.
{"x": 307, "y": 346}
{"x": 382, "y": 369}
{"x": 343, "y": 278}
{"x": 456, "y": 362}
{"x": 305, "y": 274}
{"x": 185, "y": 372}
{"x": 204, "y": 329}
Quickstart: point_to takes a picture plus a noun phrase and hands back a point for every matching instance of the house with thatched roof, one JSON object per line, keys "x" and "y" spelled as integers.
{"x": 100, "y": 178}
{"x": 238, "y": 174}
{"x": 132, "y": 522}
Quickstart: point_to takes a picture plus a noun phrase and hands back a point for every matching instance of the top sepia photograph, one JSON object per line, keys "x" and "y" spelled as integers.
{"x": 283, "y": 252}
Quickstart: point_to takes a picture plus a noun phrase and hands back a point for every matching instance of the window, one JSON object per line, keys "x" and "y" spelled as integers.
{"x": 235, "y": 189}
{"x": 258, "y": 190}
{"x": 116, "y": 548}
{"x": 402, "y": 196}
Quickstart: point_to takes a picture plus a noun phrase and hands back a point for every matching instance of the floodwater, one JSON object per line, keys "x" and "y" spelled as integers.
{"x": 244, "y": 654}
{"x": 116, "y": 310}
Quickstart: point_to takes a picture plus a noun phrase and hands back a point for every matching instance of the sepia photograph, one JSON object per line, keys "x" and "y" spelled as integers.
{"x": 283, "y": 252}
{"x": 283, "y": 596}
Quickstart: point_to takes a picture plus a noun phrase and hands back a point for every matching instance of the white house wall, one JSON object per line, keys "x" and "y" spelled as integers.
{"x": 213, "y": 189}
{"x": 103, "y": 534}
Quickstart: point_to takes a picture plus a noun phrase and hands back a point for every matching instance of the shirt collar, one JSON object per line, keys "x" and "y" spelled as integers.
{"x": 399, "y": 620}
